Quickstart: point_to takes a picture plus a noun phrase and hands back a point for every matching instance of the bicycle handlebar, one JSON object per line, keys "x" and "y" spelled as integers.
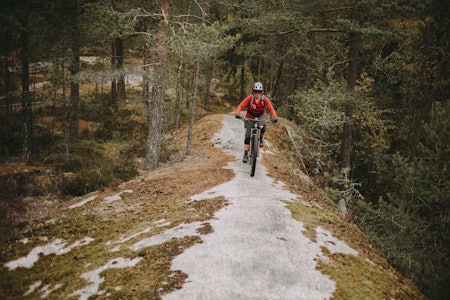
{"x": 256, "y": 120}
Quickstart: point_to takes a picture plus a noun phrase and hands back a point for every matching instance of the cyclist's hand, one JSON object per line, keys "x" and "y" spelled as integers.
{"x": 275, "y": 120}
{"x": 238, "y": 116}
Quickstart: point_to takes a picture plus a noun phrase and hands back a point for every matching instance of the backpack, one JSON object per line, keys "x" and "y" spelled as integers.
{"x": 251, "y": 103}
{"x": 262, "y": 100}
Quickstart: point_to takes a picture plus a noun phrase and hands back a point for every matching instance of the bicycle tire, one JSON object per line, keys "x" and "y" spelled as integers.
{"x": 254, "y": 154}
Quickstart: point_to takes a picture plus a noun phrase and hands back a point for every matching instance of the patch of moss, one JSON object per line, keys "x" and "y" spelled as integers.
{"x": 206, "y": 228}
{"x": 312, "y": 217}
{"x": 357, "y": 278}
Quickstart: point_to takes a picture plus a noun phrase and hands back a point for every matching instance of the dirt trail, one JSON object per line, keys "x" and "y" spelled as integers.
{"x": 257, "y": 251}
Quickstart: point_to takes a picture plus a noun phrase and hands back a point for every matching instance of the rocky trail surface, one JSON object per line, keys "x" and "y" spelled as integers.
{"x": 257, "y": 251}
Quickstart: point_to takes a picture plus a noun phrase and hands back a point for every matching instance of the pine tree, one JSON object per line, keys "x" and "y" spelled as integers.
{"x": 412, "y": 224}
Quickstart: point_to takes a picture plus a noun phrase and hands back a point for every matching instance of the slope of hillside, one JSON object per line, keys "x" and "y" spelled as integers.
{"x": 161, "y": 235}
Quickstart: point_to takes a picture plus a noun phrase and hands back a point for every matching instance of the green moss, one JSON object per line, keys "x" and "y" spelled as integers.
{"x": 312, "y": 217}
{"x": 357, "y": 278}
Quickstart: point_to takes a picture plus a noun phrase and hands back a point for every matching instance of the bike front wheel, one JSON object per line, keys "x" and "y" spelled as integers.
{"x": 254, "y": 155}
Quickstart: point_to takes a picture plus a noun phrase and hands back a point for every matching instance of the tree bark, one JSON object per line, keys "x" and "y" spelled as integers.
{"x": 208, "y": 75}
{"x": 155, "y": 107}
{"x": 347, "y": 137}
{"x": 117, "y": 84}
{"x": 193, "y": 107}
{"x": 277, "y": 80}
{"x": 346, "y": 148}
{"x": 74, "y": 95}
{"x": 121, "y": 81}
{"x": 113, "y": 100}
{"x": 242, "y": 82}
{"x": 27, "y": 112}
{"x": 178, "y": 95}
{"x": 74, "y": 70}
{"x": 8, "y": 87}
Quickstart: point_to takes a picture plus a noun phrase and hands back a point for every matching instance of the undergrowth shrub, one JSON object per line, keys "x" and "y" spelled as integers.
{"x": 106, "y": 174}
{"x": 125, "y": 170}
{"x": 11, "y": 140}
{"x": 84, "y": 182}
{"x": 15, "y": 188}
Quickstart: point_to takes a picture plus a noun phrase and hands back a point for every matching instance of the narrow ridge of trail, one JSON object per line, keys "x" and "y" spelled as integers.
{"x": 257, "y": 251}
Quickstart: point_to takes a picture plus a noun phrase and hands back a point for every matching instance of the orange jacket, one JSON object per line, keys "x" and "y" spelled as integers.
{"x": 256, "y": 109}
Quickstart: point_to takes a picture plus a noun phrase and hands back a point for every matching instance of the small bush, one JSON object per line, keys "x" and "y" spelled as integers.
{"x": 89, "y": 180}
{"x": 125, "y": 171}
{"x": 84, "y": 182}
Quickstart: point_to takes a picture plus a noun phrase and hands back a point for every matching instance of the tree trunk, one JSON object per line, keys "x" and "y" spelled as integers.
{"x": 178, "y": 95}
{"x": 8, "y": 87}
{"x": 277, "y": 79}
{"x": 347, "y": 136}
{"x": 121, "y": 81}
{"x": 74, "y": 84}
{"x": 74, "y": 94}
{"x": 155, "y": 107}
{"x": 146, "y": 62}
{"x": 424, "y": 115}
{"x": 113, "y": 103}
{"x": 117, "y": 83}
{"x": 208, "y": 75}
{"x": 242, "y": 82}
{"x": 311, "y": 56}
{"x": 346, "y": 149}
{"x": 27, "y": 112}
{"x": 192, "y": 115}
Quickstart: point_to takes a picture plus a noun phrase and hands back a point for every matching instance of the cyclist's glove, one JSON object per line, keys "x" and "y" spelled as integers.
{"x": 237, "y": 116}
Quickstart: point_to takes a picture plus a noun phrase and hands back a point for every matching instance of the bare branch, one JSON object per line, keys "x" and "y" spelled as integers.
{"x": 202, "y": 10}
{"x": 324, "y": 30}
{"x": 194, "y": 17}
{"x": 337, "y": 9}
{"x": 341, "y": 63}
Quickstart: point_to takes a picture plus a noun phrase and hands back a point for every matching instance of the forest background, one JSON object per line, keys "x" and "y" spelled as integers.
{"x": 367, "y": 82}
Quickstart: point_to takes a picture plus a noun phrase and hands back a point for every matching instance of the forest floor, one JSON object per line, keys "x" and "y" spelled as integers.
{"x": 201, "y": 228}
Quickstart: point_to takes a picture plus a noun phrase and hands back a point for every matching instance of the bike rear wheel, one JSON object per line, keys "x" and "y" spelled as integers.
{"x": 254, "y": 154}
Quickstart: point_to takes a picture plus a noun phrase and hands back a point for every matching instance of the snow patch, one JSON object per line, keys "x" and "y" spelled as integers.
{"x": 162, "y": 223}
{"x": 117, "y": 197}
{"x": 326, "y": 239}
{"x": 94, "y": 278}
{"x": 33, "y": 287}
{"x": 179, "y": 231}
{"x": 57, "y": 247}
{"x": 83, "y": 202}
{"x": 47, "y": 289}
{"x": 126, "y": 239}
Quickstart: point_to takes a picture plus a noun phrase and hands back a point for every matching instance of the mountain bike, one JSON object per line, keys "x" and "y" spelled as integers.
{"x": 255, "y": 135}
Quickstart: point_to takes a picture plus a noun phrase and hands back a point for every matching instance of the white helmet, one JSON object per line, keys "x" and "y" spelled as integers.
{"x": 258, "y": 86}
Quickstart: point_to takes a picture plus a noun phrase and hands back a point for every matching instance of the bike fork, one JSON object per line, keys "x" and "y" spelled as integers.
{"x": 254, "y": 144}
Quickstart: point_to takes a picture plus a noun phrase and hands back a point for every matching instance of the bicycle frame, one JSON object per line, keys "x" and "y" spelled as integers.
{"x": 255, "y": 135}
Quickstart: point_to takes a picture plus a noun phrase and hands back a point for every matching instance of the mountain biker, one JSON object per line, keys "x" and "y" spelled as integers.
{"x": 256, "y": 104}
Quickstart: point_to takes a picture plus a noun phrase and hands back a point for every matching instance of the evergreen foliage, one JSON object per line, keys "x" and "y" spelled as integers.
{"x": 411, "y": 225}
